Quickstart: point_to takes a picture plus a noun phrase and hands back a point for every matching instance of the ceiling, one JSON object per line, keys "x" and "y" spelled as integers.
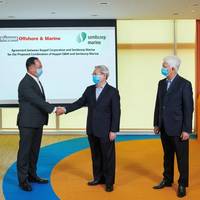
{"x": 99, "y": 9}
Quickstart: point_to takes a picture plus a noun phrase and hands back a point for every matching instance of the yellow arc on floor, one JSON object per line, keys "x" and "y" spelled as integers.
{"x": 139, "y": 167}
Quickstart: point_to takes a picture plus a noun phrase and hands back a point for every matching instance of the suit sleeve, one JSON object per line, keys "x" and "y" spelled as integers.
{"x": 81, "y": 102}
{"x": 187, "y": 108}
{"x": 156, "y": 110}
{"x": 31, "y": 96}
{"x": 116, "y": 112}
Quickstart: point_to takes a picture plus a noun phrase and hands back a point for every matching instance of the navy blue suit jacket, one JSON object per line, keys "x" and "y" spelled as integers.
{"x": 103, "y": 113}
{"x": 174, "y": 108}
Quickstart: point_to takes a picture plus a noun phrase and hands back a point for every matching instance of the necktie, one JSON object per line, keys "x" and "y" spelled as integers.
{"x": 168, "y": 84}
{"x": 98, "y": 92}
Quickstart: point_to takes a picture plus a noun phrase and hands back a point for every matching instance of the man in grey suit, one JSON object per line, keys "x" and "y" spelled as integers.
{"x": 32, "y": 116}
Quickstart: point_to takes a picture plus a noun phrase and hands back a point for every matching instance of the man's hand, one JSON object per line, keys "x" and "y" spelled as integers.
{"x": 112, "y": 136}
{"x": 60, "y": 111}
{"x": 185, "y": 136}
{"x": 156, "y": 130}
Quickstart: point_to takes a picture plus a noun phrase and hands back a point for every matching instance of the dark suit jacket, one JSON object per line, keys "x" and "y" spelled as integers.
{"x": 174, "y": 108}
{"x": 33, "y": 108}
{"x": 103, "y": 114}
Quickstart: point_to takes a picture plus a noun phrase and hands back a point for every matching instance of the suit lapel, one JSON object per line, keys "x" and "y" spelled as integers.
{"x": 37, "y": 86}
{"x": 94, "y": 94}
{"x": 164, "y": 87}
{"x": 42, "y": 90}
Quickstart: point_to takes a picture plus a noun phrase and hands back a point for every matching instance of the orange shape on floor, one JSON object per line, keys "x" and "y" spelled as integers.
{"x": 139, "y": 167}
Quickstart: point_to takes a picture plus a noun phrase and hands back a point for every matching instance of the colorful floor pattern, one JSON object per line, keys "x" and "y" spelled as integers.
{"x": 139, "y": 166}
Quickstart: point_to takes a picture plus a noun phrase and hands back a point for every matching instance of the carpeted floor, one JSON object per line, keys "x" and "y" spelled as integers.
{"x": 139, "y": 167}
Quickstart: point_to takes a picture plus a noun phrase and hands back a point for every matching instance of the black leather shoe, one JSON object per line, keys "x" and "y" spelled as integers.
{"x": 109, "y": 188}
{"x": 25, "y": 186}
{"x": 95, "y": 182}
{"x": 162, "y": 184}
{"x": 181, "y": 191}
{"x": 37, "y": 179}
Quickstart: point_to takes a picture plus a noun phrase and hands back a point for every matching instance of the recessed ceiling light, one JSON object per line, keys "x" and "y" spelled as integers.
{"x": 95, "y": 15}
{"x": 53, "y": 13}
{"x": 11, "y": 17}
{"x": 104, "y": 3}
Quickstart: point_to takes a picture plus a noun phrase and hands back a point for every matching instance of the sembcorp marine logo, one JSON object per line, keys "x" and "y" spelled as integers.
{"x": 81, "y": 37}
{"x": 92, "y": 39}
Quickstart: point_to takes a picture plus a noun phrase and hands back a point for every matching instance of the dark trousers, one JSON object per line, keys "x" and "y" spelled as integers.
{"x": 27, "y": 157}
{"x": 174, "y": 145}
{"x": 103, "y": 159}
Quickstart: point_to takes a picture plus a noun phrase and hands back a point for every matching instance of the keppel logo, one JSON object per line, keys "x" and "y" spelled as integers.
{"x": 81, "y": 37}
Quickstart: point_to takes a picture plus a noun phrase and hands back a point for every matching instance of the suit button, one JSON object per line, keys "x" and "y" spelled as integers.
{"x": 163, "y": 107}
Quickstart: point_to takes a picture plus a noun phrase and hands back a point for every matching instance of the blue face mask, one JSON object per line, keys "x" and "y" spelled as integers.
{"x": 164, "y": 71}
{"x": 96, "y": 79}
{"x": 39, "y": 72}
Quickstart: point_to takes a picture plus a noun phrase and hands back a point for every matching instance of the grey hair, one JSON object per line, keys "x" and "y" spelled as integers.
{"x": 173, "y": 61}
{"x": 103, "y": 69}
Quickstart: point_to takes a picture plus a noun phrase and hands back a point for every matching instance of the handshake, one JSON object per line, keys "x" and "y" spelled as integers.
{"x": 60, "y": 110}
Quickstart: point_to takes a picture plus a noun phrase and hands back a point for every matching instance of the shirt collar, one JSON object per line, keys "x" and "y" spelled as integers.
{"x": 171, "y": 79}
{"x": 101, "y": 86}
{"x": 35, "y": 78}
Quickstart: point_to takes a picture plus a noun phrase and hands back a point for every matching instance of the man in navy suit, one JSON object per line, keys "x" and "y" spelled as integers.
{"x": 173, "y": 120}
{"x": 103, "y": 102}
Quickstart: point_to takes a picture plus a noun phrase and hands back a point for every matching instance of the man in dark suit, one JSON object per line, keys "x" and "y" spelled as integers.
{"x": 32, "y": 116}
{"x": 173, "y": 119}
{"x": 103, "y": 102}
